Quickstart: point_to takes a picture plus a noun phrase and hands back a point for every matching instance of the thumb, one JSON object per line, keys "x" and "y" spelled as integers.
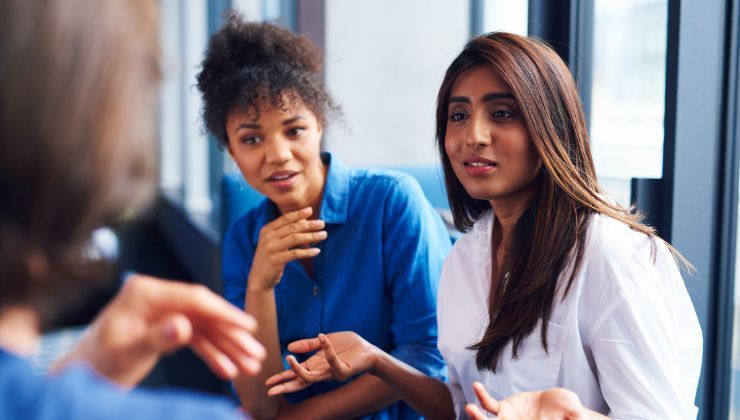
{"x": 171, "y": 333}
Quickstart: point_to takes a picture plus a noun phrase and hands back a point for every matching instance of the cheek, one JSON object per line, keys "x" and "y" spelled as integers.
{"x": 528, "y": 159}
{"x": 451, "y": 144}
{"x": 248, "y": 165}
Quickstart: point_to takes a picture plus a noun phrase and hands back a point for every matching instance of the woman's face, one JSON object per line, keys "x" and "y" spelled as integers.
{"x": 486, "y": 140}
{"x": 278, "y": 153}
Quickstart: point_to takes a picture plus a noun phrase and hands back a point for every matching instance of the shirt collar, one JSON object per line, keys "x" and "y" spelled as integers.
{"x": 334, "y": 203}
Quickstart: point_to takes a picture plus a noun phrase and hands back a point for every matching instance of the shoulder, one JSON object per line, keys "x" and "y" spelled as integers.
{"x": 619, "y": 261}
{"x": 612, "y": 242}
{"x": 469, "y": 257}
{"x": 388, "y": 181}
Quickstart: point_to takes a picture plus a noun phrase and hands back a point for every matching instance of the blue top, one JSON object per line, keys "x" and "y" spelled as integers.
{"x": 376, "y": 275}
{"x": 77, "y": 392}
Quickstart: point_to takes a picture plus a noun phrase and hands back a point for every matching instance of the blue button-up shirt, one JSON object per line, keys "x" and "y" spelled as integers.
{"x": 376, "y": 275}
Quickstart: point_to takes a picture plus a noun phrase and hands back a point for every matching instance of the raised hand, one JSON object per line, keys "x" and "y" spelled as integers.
{"x": 340, "y": 356}
{"x": 551, "y": 404}
{"x": 281, "y": 241}
{"x": 151, "y": 317}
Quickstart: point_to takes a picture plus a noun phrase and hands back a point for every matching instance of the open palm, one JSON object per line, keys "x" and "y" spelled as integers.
{"x": 339, "y": 356}
{"x": 551, "y": 404}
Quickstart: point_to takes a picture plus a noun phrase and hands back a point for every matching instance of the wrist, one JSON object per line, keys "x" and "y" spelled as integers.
{"x": 256, "y": 284}
{"x": 259, "y": 289}
{"x": 380, "y": 362}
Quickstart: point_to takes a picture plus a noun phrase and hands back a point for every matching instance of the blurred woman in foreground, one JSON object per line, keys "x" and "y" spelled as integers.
{"x": 79, "y": 83}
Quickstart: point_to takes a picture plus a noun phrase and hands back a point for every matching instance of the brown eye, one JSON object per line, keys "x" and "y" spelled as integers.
{"x": 250, "y": 140}
{"x": 295, "y": 131}
{"x": 502, "y": 114}
{"x": 457, "y": 116}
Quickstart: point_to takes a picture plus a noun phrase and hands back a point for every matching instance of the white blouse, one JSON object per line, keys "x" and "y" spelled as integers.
{"x": 626, "y": 338}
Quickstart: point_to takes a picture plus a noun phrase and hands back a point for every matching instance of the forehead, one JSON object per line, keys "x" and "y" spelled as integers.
{"x": 286, "y": 106}
{"x": 477, "y": 82}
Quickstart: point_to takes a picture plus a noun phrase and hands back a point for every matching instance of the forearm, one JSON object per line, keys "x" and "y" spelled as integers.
{"x": 427, "y": 395}
{"x": 252, "y": 391}
{"x": 365, "y": 395}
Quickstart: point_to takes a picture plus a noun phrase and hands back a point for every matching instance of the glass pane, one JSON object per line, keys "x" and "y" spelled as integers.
{"x": 262, "y": 10}
{"x": 388, "y": 93}
{"x": 735, "y": 374}
{"x": 170, "y": 130}
{"x": 628, "y": 91}
{"x": 506, "y": 15}
{"x": 735, "y": 387}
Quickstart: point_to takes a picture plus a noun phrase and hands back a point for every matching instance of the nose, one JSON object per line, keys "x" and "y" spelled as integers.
{"x": 279, "y": 151}
{"x": 478, "y": 131}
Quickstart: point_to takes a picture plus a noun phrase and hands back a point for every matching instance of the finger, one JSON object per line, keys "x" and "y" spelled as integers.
{"x": 486, "y": 401}
{"x": 303, "y": 373}
{"x": 170, "y": 333}
{"x": 236, "y": 345}
{"x": 288, "y": 218}
{"x": 299, "y": 226}
{"x": 284, "y": 376}
{"x": 288, "y": 387}
{"x": 340, "y": 369}
{"x": 474, "y": 412}
{"x": 218, "y": 362}
{"x": 304, "y": 346}
{"x": 238, "y": 340}
{"x": 285, "y": 257}
{"x": 161, "y": 297}
{"x": 297, "y": 240}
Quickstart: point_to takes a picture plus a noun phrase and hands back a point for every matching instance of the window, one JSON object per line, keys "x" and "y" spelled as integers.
{"x": 388, "y": 94}
{"x": 504, "y": 15}
{"x": 628, "y": 92}
{"x": 184, "y": 146}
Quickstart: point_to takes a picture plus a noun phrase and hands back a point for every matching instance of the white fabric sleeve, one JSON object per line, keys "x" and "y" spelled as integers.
{"x": 646, "y": 361}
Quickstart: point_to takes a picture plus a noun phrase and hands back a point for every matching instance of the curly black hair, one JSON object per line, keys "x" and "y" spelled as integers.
{"x": 249, "y": 63}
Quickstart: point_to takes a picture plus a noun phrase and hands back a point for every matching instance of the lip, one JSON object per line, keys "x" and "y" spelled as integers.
{"x": 282, "y": 179}
{"x": 479, "y": 166}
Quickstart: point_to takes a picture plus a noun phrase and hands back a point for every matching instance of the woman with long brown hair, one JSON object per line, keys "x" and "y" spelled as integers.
{"x": 560, "y": 302}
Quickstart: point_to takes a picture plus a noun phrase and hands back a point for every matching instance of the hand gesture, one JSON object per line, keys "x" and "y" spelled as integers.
{"x": 152, "y": 317}
{"x": 552, "y": 404}
{"x": 340, "y": 356}
{"x": 281, "y": 241}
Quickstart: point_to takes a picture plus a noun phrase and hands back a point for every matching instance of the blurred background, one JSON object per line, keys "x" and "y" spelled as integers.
{"x": 659, "y": 82}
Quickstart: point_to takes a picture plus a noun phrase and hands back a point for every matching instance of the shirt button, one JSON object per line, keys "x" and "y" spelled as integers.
{"x": 315, "y": 290}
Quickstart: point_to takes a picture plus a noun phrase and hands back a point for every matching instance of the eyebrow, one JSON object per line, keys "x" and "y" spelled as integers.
{"x": 486, "y": 98}
{"x": 257, "y": 126}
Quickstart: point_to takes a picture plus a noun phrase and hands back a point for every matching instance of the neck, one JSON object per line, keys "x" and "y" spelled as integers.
{"x": 19, "y": 329}
{"x": 508, "y": 210}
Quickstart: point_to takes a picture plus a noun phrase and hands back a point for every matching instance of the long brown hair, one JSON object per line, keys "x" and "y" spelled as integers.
{"x": 553, "y": 226}
{"x": 77, "y": 111}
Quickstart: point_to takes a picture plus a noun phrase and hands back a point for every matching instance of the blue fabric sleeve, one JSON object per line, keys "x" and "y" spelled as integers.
{"x": 236, "y": 261}
{"x": 77, "y": 392}
{"x": 415, "y": 243}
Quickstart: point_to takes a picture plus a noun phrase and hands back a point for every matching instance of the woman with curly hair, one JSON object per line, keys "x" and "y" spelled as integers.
{"x": 331, "y": 248}
{"x": 557, "y": 301}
